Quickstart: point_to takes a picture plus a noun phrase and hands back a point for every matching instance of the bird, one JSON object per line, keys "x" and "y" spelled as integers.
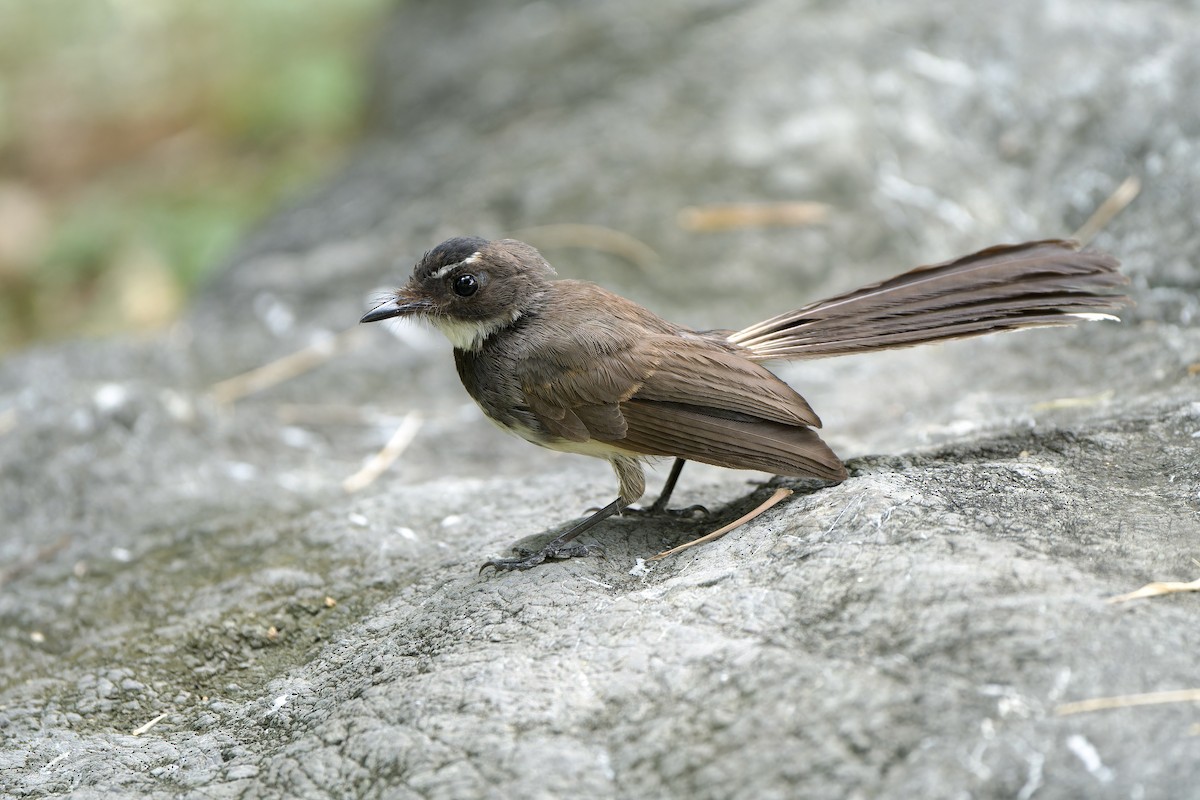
{"x": 571, "y": 366}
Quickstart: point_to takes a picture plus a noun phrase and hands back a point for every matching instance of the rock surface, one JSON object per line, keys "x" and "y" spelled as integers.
{"x": 909, "y": 633}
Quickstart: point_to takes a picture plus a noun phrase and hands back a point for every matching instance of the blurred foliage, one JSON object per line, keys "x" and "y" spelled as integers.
{"x": 138, "y": 138}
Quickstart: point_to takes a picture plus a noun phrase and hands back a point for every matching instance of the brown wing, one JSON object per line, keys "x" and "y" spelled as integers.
{"x": 735, "y": 441}
{"x": 707, "y": 403}
{"x": 619, "y": 374}
{"x": 576, "y": 386}
{"x": 575, "y": 382}
{"x": 707, "y": 374}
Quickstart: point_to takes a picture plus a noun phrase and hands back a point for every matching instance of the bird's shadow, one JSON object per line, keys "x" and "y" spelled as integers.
{"x": 640, "y": 533}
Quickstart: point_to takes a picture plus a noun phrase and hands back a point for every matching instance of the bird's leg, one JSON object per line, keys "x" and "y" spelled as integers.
{"x": 560, "y": 547}
{"x": 632, "y": 480}
{"x": 664, "y": 496}
{"x": 659, "y": 506}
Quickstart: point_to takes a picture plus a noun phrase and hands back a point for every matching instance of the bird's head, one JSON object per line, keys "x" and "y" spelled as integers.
{"x": 470, "y": 288}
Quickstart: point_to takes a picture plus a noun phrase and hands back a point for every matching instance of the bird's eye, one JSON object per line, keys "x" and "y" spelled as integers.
{"x": 465, "y": 285}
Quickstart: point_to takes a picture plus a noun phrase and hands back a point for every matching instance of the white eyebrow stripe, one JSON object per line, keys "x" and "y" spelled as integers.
{"x": 471, "y": 259}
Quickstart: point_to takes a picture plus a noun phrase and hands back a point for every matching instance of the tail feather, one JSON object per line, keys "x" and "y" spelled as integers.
{"x": 1007, "y": 287}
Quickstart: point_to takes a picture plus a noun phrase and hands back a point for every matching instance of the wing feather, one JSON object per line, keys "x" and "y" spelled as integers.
{"x": 739, "y": 442}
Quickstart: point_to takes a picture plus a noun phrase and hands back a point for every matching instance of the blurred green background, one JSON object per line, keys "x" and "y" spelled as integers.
{"x": 139, "y": 138}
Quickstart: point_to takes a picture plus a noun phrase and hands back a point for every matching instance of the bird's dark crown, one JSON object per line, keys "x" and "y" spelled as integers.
{"x": 451, "y": 251}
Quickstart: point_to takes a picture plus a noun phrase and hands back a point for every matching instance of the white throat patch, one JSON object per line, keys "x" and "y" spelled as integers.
{"x": 470, "y": 334}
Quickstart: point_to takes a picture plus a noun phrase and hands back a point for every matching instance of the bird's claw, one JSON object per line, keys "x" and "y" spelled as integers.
{"x": 691, "y": 511}
{"x": 528, "y": 559}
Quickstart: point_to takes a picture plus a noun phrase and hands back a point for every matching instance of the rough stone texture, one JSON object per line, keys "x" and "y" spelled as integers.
{"x": 908, "y": 633}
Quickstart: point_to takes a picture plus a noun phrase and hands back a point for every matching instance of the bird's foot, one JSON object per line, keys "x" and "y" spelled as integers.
{"x": 527, "y": 559}
{"x": 691, "y": 512}
{"x": 655, "y": 510}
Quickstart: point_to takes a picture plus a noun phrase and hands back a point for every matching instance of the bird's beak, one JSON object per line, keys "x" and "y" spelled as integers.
{"x": 400, "y": 305}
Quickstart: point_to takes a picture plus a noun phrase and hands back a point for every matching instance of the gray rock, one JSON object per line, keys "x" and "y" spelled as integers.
{"x": 910, "y": 632}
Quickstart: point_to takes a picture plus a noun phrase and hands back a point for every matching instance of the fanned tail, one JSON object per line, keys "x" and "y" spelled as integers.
{"x": 1007, "y": 287}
